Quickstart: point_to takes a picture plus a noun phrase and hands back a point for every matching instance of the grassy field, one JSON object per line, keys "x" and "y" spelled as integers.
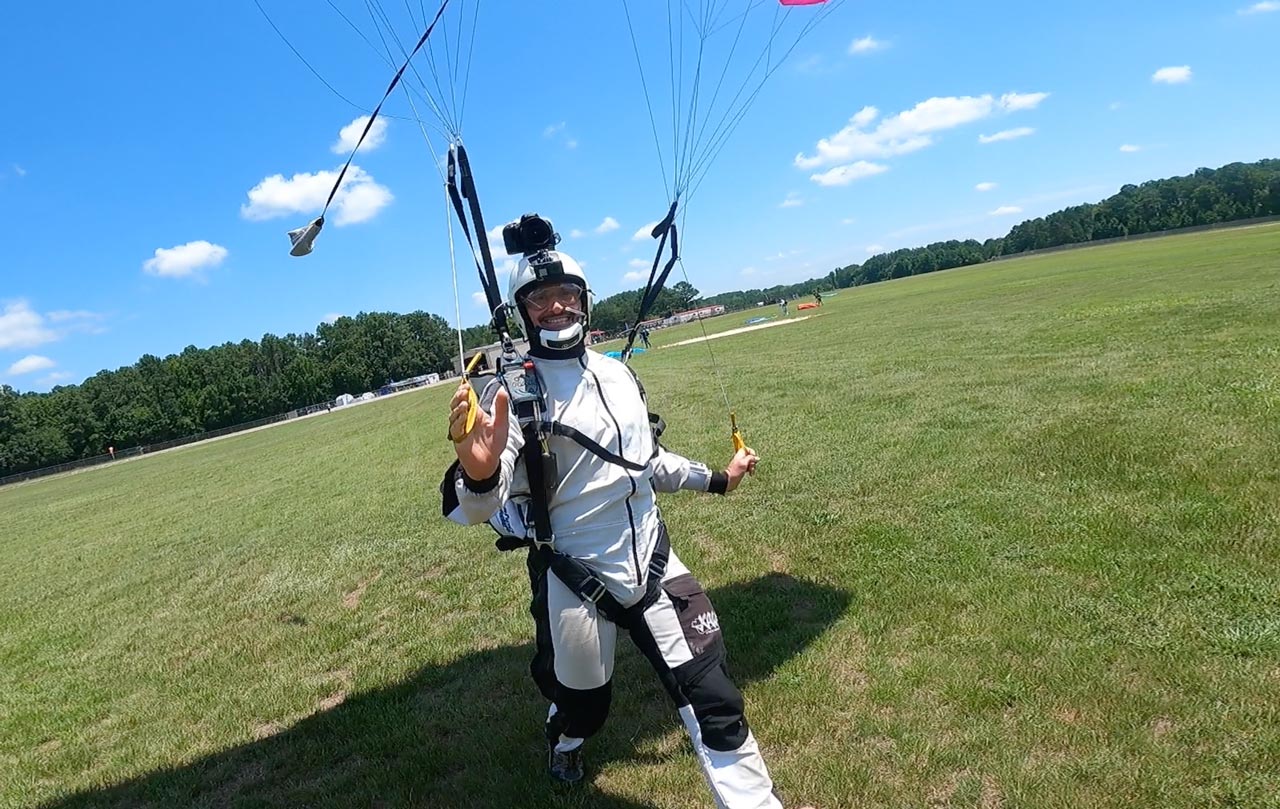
{"x": 1013, "y": 543}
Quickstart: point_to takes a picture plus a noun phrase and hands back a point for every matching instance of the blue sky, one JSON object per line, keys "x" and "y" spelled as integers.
{"x": 153, "y": 154}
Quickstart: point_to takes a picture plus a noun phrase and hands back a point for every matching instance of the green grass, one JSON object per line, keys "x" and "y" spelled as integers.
{"x": 1013, "y": 542}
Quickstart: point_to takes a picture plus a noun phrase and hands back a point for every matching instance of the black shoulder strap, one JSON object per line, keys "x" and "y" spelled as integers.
{"x": 537, "y": 459}
{"x": 565, "y": 431}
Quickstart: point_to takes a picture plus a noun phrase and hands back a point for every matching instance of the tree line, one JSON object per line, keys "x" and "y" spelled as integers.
{"x": 205, "y": 389}
{"x": 1206, "y": 197}
{"x": 200, "y": 390}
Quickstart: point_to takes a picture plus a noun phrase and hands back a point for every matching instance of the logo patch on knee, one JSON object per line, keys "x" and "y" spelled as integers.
{"x": 706, "y": 624}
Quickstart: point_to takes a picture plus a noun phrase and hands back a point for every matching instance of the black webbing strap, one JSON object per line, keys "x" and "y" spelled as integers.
{"x": 460, "y": 173}
{"x": 565, "y": 431}
{"x": 665, "y": 228}
{"x": 586, "y": 585}
{"x": 536, "y": 459}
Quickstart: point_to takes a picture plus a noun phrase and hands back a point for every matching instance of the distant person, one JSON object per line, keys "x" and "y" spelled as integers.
{"x": 644, "y": 338}
{"x": 112, "y": 452}
{"x": 782, "y": 306}
{"x": 817, "y": 296}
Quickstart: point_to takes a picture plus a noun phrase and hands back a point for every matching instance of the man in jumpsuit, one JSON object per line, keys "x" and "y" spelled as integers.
{"x": 608, "y": 468}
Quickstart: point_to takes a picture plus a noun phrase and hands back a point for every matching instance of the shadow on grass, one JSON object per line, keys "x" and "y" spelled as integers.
{"x": 468, "y": 734}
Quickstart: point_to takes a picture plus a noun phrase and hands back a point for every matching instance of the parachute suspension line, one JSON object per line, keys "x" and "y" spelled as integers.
{"x": 453, "y": 268}
{"x": 675, "y": 97}
{"x": 682, "y": 160}
{"x": 471, "y": 49}
{"x": 303, "y": 59}
{"x": 303, "y": 238}
{"x": 387, "y": 59}
{"x": 724, "y": 72}
{"x": 374, "y": 116}
{"x": 721, "y": 135}
{"x": 378, "y": 15}
{"x": 312, "y": 69}
{"x": 435, "y": 162}
{"x": 653, "y": 121}
{"x": 715, "y": 368}
{"x": 451, "y": 68}
{"x": 454, "y": 123}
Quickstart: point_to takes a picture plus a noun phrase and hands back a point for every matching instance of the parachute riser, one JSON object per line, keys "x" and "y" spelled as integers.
{"x": 662, "y": 231}
{"x": 460, "y": 184}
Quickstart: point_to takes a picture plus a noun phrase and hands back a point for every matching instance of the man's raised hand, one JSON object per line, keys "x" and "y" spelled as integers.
{"x": 480, "y": 448}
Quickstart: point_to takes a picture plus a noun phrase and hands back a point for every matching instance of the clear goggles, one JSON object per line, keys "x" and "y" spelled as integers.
{"x": 565, "y": 294}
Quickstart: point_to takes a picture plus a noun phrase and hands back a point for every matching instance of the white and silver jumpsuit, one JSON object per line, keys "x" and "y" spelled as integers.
{"x": 606, "y": 515}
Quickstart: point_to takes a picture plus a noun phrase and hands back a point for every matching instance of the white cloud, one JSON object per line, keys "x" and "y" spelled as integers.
{"x": 911, "y": 129}
{"x": 644, "y": 232}
{"x": 554, "y": 130}
{"x": 866, "y": 44}
{"x": 848, "y": 220}
{"x": 609, "y": 224}
{"x": 30, "y": 364}
{"x": 810, "y": 64}
{"x": 875, "y": 248}
{"x": 349, "y": 135}
{"x": 1130, "y": 147}
{"x": 639, "y": 264}
{"x": 1006, "y": 210}
{"x": 793, "y": 200}
{"x": 480, "y": 300}
{"x": 331, "y": 318}
{"x": 1115, "y": 105}
{"x": 576, "y": 234}
{"x": 984, "y": 187}
{"x": 358, "y": 200}
{"x": 23, "y": 327}
{"x": 1007, "y": 134}
{"x": 1012, "y": 102}
{"x": 184, "y": 259}
{"x": 48, "y": 380}
{"x": 78, "y": 320}
{"x": 497, "y": 246}
{"x": 747, "y": 272}
{"x": 1261, "y": 8}
{"x": 19, "y": 170}
{"x": 782, "y": 255}
{"x": 635, "y": 275}
{"x": 843, "y": 175}
{"x": 1172, "y": 75}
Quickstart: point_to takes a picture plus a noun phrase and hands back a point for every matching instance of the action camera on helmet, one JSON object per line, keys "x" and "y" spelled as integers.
{"x": 531, "y": 234}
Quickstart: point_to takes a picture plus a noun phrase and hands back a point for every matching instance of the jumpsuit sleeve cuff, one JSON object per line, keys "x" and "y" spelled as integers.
{"x": 480, "y": 486}
{"x": 719, "y": 483}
